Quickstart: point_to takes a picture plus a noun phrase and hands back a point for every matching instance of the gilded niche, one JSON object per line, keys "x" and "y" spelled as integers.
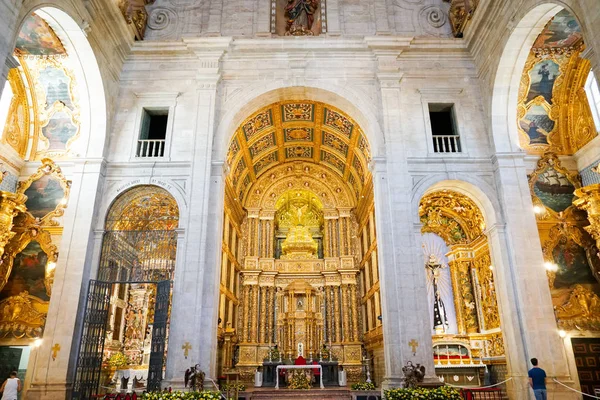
{"x": 300, "y": 219}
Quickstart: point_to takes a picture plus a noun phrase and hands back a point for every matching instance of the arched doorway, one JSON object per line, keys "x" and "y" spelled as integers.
{"x": 299, "y": 275}
{"x": 125, "y": 329}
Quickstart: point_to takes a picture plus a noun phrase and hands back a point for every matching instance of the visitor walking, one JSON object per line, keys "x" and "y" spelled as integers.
{"x": 11, "y": 387}
{"x": 537, "y": 381}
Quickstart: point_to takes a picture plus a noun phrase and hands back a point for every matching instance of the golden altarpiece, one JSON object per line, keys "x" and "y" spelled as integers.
{"x": 292, "y": 241}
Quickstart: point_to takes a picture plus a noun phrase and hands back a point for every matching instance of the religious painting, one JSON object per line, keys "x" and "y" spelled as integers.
{"x": 44, "y": 195}
{"x": 554, "y": 189}
{"x": 572, "y": 263}
{"x": 537, "y": 125}
{"x": 28, "y": 273}
{"x": 59, "y": 130}
{"x": 542, "y": 77}
{"x": 56, "y": 86}
{"x": 297, "y": 17}
{"x": 36, "y": 38}
{"x": 562, "y": 31}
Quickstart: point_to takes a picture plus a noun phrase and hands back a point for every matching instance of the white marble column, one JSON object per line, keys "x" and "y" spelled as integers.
{"x": 9, "y": 13}
{"x": 405, "y": 317}
{"x": 194, "y": 314}
{"x": 525, "y": 303}
{"x": 50, "y": 378}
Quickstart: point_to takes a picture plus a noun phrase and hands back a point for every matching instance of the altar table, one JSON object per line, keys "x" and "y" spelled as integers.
{"x": 299, "y": 367}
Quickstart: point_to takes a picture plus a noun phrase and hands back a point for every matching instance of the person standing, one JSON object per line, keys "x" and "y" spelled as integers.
{"x": 11, "y": 387}
{"x": 537, "y": 381}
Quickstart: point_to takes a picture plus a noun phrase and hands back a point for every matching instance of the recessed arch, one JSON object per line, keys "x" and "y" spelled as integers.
{"x": 479, "y": 191}
{"x": 507, "y": 81}
{"x": 82, "y": 105}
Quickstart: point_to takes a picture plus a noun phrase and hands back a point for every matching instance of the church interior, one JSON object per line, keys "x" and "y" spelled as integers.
{"x": 329, "y": 195}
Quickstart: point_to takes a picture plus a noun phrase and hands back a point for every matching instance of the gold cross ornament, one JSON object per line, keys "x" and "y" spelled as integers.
{"x": 186, "y": 348}
{"x": 55, "y": 349}
{"x": 413, "y": 344}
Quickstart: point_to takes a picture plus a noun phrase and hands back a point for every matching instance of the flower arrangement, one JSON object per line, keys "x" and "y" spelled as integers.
{"x": 117, "y": 360}
{"x": 226, "y": 387}
{"x": 363, "y": 386}
{"x": 299, "y": 380}
{"x": 206, "y": 395}
{"x": 441, "y": 393}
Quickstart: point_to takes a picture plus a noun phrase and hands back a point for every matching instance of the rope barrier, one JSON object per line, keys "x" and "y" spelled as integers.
{"x": 479, "y": 387}
{"x": 575, "y": 390}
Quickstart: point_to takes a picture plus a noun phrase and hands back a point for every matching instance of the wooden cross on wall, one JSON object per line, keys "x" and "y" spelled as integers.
{"x": 186, "y": 348}
{"x": 55, "y": 349}
{"x": 413, "y": 344}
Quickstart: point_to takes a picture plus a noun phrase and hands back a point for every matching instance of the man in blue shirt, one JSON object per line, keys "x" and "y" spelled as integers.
{"x": 537, "y": 381}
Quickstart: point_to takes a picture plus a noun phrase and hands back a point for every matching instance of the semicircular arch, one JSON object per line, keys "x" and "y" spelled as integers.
{"x": 504, "y": 107}
{"x": 481, "y": 193}
{"x": 64, "y": 20}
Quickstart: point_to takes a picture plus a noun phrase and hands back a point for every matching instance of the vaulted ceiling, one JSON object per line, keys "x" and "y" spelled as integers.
{"x": 298, "y": 130}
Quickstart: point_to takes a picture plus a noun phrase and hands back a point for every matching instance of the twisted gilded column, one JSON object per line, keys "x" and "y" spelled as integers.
{"x": 10, "y": 205}
{"x": 345, "y": 314}
{"x": 336, "y": 314}
{"x": 589, "y": 201}
{"x": 245, "y": 332}
{"x": 254, "y": 319}
{"x": 355, "y": 309}
{"x": 464, "y": 299}
{"x": 270, "y": 312}
{"x": 263, "y": 314}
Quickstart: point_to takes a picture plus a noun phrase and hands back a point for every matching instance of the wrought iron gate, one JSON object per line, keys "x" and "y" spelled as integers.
{"x": 159, "y": 335}
{"x": 128, "y": 257}
{"x": 89, "y": 359}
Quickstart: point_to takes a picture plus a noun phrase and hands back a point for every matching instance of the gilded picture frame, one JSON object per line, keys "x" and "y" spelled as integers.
{"x": 43, "y": 189}
{"x": 18, "y": 243}
{"x": 551, "y": 161}
{"x": 551, "y": 108}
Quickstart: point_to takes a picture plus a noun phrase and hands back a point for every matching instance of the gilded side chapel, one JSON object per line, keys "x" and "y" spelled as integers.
{"x": 243, "y": 198}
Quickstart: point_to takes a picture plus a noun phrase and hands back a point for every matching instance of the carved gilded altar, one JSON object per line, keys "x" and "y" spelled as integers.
{"x": 298, "y": 197}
